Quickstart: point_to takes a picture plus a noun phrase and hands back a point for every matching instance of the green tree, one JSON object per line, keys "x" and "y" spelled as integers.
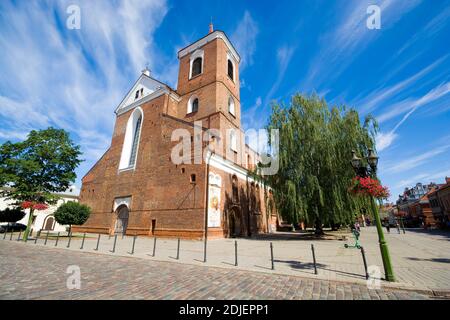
{"x": 72, "y": 213}
{"x": 11, "y": 215}
{"x": 315, "y": 144}
{"x": 37, "y": 168}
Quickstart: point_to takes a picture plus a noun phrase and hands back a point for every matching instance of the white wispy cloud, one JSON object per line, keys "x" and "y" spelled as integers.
{"x": 284, "y": 56}
{"x": 74, "y": 79}
{"x": 415, "y": 161}
{"x": 384, "y": 140}
{"x": 244, "y": 39}
{"x": 424, "y": 177}
{"x": 349, "y": 37}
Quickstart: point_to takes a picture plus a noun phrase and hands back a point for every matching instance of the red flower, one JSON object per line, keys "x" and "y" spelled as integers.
{"x": 370, "y": 187}
{"x": 35, "y": 206}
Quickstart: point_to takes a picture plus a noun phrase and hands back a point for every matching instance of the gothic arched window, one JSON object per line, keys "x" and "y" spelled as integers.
{"x": 230, "y": 69}
{"x": 195, "y": 105}
{"x": 131, "y": 141}
{"x": 136, "y": 135}
{"x": 197, "y": 67}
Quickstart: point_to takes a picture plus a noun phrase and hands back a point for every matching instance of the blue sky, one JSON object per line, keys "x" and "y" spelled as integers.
{"x": 74, "y": 79}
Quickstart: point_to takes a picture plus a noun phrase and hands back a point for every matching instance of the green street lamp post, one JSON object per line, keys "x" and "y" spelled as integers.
{"x": 364, "y": 170}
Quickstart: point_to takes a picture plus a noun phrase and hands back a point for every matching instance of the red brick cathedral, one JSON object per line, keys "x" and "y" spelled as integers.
{"x": 178, "y": 162}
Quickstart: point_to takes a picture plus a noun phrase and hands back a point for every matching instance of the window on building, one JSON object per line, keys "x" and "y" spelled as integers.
{"x": 136, "y": 95}
{"x": 131, "y": 140}
{"x": 192, "y": 105}
{"x": 233, "y": 140}
{"x": 195, "y": 105}
{"x": 235, "y": 191}
{"x": 193, "y": 178}
{"x": 142, "y": 92}
{"x": 196, "y": 67}
{"x": 231, "y": 108}
{"x": 230, "y": 69}
{"x": 134, "y": 146}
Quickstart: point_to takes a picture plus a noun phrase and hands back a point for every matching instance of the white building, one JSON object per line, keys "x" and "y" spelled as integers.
{"x": 45, "y": 220}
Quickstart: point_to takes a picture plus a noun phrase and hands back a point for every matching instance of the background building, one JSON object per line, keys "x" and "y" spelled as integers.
{"x": 44, "y": 220}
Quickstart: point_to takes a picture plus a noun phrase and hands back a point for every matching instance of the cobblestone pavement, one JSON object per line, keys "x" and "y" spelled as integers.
{"x": 30, "y": 272}
{"x": 421, "y": 259}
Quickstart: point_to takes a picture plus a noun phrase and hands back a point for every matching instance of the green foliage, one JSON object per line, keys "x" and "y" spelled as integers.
{"x": 38, "y": 167}
{"x": 35, "y": 169}
{"x": 72, "y": 213}
{"x": 11, "y": 215}
{"x": 314, "y": 160}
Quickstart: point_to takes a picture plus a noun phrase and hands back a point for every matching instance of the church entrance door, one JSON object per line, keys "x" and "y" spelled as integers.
{"x": 122, "y": 220}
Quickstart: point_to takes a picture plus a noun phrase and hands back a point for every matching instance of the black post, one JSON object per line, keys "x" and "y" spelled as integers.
{"x": 178, "y": 249}
{"x": 271, "y": 256}
{"x": 98, "y": 242}
{"x": 10, "y": 238}
{"x": 57, "y": 239}
{"x": 70, "y": 239}
{"x": 365, "y": 262}
{"x": 20, "y": 233}
{"x": 82, "y": 242}
{"x": 4, "y": 236}
{"x": 46, "y": 238}
{"x": 403, "y": 226}
{"x": 36, "y": 238}
{"x": 134, "y": 241}
{"x": 314, "y": 258}
{"x": 204, "y": 250}
{"x": 154, "y": 246}
{"x": 235, "y": 254}
{"x": 114, "y": 246}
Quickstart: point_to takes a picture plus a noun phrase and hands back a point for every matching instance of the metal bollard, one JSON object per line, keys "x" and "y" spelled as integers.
{"x": 57, "y": 239}
{"x": 10, "y": 238}
{"x": 204, "y": 250}
{"x": 271, "y": 256}
{"x": 82, "y": 242}
{"x": 46, "y": 238}
{"x": 36, "y": 239}
{"x": 365, "y": 262}
{"x": 235, "y": 254}
{"x": 98, "y": 242}
{"x": 20, "y": 233}
{"x": 114, "y": 245}
{"x": 4, "y": 236}
{"x": 70, "y": 239}
{"x": 314, "y": 258}
{"x": 134, "y": 241}
{"x": 178, "y": 249}
{"x": 154, "y": 246}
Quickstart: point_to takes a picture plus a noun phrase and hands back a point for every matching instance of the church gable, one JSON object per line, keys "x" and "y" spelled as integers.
{"x": 144, "y": 88}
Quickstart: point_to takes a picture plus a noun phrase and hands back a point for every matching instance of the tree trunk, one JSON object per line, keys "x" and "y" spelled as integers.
{"x": 318, "y": 228}
{"x": 30, "y": 220}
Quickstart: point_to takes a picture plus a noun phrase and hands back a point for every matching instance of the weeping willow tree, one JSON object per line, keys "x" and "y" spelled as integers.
{"x": 314, "y": 176}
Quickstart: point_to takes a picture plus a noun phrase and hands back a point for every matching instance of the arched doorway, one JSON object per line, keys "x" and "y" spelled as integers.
{"x": 122, "y": 220}
{"x": 234, "y": 222}
{"x": 49, "y": 223}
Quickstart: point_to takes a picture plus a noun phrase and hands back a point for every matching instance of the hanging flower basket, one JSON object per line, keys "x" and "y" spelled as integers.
{"x": 369, "y": 187}
{"x": 35, "y": 206}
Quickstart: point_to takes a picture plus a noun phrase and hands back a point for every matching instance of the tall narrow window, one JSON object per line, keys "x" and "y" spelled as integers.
{"x": 230, "y": 69}
{"x": 197, "y": 67}
{"x": 135, "y": 142}
{"x": 235, "y": 191}
{"x": 231, "y": 105}
{"x": 233, "y": 141}
{"x": 131, "y": 140}
{"x": 195, "y": 105}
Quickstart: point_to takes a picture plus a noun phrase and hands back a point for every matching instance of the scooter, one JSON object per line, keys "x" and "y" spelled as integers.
{"x": 356, "y": 236}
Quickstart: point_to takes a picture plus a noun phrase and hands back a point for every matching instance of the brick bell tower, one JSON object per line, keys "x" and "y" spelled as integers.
{"x": 208, "y": 82}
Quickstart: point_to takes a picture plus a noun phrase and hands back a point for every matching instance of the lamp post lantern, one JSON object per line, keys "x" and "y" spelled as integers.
{"x": 369, "y": 170}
